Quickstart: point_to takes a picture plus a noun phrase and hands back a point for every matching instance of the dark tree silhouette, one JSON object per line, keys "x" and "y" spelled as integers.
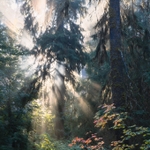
{"x": 60, "y": 44}
{"x": 117, "y": 75}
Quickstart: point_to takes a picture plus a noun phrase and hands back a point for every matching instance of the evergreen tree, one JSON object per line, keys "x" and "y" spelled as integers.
{"x": 60, "y": 47}
{"x": 109, "y": 29}
{"x": 14, "y": 120}
{"x": 117, "y": 75}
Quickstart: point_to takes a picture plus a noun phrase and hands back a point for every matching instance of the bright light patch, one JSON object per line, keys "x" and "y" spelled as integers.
{"x": 14, "y": 6}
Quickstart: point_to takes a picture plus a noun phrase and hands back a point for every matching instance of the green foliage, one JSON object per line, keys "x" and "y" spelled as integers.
{"x": 81, "y": 104}
{"x": 135, "y": 49}
{"x": 63, "y": 45}
{"x": 45, "y": 143}
{"x": 98, "y": 73}
{"x": 63, "y": 145}
{"x": 15, "y": 120}
{"x": 41, "y": 118}
{"x": 135, "y": 56}
{"x": 107, "y": 116}
{"x": 130, "y": 136}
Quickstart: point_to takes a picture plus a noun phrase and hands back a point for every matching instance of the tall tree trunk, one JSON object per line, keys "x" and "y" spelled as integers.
{"x": 117, "y": 75}
{"x": 59, "y": 93}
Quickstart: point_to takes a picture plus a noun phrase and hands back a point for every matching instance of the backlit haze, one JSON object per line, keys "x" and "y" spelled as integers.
{"x": 13, "y": 19}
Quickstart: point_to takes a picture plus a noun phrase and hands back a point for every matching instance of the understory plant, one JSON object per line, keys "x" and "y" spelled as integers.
{"x": 127, "y": 135}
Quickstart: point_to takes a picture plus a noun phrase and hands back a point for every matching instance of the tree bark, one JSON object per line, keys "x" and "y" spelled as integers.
{"x": 117, "y": 75}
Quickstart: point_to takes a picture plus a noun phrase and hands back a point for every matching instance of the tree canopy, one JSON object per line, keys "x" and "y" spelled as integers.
{"x": 54, "y": 107}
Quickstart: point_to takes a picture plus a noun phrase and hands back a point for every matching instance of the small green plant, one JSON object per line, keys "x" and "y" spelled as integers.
{"x": 130, "y": 137}
{"x": 108, "y": 116}
{"x": 45, "y": 143}
{"x": 133, "y": 138}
